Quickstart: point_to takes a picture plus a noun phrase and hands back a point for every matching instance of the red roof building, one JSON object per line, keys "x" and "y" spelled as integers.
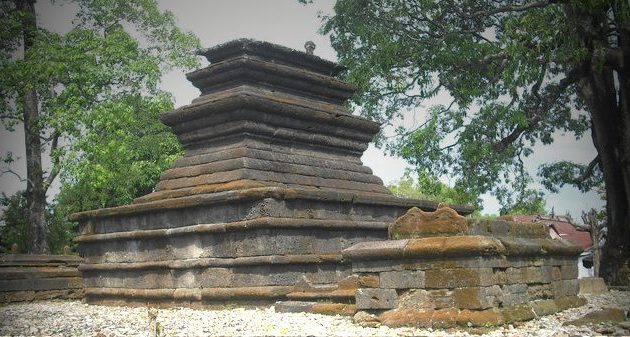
{"x": 560, "y": 227}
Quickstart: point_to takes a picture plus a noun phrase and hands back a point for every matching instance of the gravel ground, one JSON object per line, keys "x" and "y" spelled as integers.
{"x": 73, "y": 318}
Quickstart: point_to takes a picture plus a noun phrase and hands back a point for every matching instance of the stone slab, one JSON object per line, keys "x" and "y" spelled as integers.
{"x": 404, "y": 279}
{"x": 593, "y": 286}
{"x": 375, "y": 298}
{"x": 293, "y": 306}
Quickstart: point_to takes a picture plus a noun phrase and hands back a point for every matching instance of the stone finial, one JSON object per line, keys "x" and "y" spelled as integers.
{"x": 67, "y": 250}
{"x": 310, "y": 47}
{"x": 14, "y": 248}
{"x": 415, "y": 223}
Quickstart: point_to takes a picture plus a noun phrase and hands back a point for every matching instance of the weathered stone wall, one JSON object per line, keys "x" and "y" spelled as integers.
{"x": 37, "y": 277}
{"x": 445, "y": 270}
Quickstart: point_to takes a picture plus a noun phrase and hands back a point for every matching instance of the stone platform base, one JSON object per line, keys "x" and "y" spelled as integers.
{"x": 39, "y": 277}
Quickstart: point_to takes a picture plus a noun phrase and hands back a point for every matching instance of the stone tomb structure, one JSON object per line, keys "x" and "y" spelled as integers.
{"x": 440, "y": 269}
{"x": 270, "y": 190}
{"x": 272, "y": 202}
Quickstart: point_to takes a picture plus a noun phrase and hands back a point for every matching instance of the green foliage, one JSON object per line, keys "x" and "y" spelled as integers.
{"x": 13, "y": 226}
{"x": 13, "y": 222}
{"x": 529, "y": 202}
{"x": 507, "y": 69}
{"x": 99, "y": 98}
{"x": 120, "y": 156}
{"x": 425, "y": 186}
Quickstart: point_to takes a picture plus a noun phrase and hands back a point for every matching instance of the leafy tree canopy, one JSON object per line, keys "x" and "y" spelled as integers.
{"x": 90, "y": 97}
{"x": 499, "y": 62}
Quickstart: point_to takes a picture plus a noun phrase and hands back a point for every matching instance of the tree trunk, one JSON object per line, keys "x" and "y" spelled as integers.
{"x": 606, "y": 129}
{"x": 35, "y": 187}
{"x": 604, "y": 87}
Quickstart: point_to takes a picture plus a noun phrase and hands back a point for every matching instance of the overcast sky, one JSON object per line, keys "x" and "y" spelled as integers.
{"x": 288, "y": 23}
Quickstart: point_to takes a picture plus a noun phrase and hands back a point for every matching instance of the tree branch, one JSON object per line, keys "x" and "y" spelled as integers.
{"x": 588, "y": 172}
{"x": 538, "y": 109}
{"x": 10, "y": 116}
{"x": 5, "y": 171}
{"x": 510, "y": 8}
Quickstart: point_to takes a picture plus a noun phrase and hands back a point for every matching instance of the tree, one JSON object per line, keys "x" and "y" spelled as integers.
{"x": 55, "y": 84}
{"x": 425, "y": 186}
{"x": 515, "y": 72}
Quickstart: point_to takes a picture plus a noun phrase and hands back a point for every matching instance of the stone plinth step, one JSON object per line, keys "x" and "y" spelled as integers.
{"x": 344, "y": 291}
{"x": 593, "y": 285}
{"x": 326, "y": 308}
{"x": 338, "y": 294}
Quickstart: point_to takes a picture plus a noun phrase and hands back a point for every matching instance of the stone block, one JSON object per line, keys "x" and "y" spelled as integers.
{"x": 519, "y": 246}
{"x": 404, "y": 279}
{"x": 513, "y": 299}
{"x": 368, "y": 281}
{"x": 374, "y": 298}
{"x": 518, "y": 288}
{"x": 407, "y": 317}
{"x": 442, "y": 298}
{"x": 540, "y": 291}
{"x": 547, "y": 273}
{"x": 572, "y": 287}
{"x": 556, "y": 275}
{"x": 334, "y": 309}
{"x": 477, "y": 297}
{"x": 482, "y": 262}
{"x": 565, "y": 288}
{"x": 389, "y": 249}
{"x": 444, "y": 318}
{"x": 499, "y": 276}
{"x": 514, "y": 275}
{"x": 544, "y": 307}
{"x": 59, "y": 283}
{"x": 355, "y": 281}
{"x": 518, "y": 313}
{"x": 376, "y": 266}
{"x": 416, "y": 299}
{"x": 569, "y": 271}
{"x": 606, "y": 315}
{"x": 481, "y": 318}
{"x": 524, "y": 275}
{"x": 532, "y": 275}
{"x": 419, "y": 263}
{"x": 366, "y": 319}
{"x": 458, "y": 277}
{"x": 570, "y": 302}
{"x": 593, "y": 286}
{"x": 294, "y": 306}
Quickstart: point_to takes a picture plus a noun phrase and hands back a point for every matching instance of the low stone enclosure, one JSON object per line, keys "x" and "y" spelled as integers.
{"x": 272, "y": 202}
{"x": 25, "y": 277}
{"x": 441, "y": 269}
